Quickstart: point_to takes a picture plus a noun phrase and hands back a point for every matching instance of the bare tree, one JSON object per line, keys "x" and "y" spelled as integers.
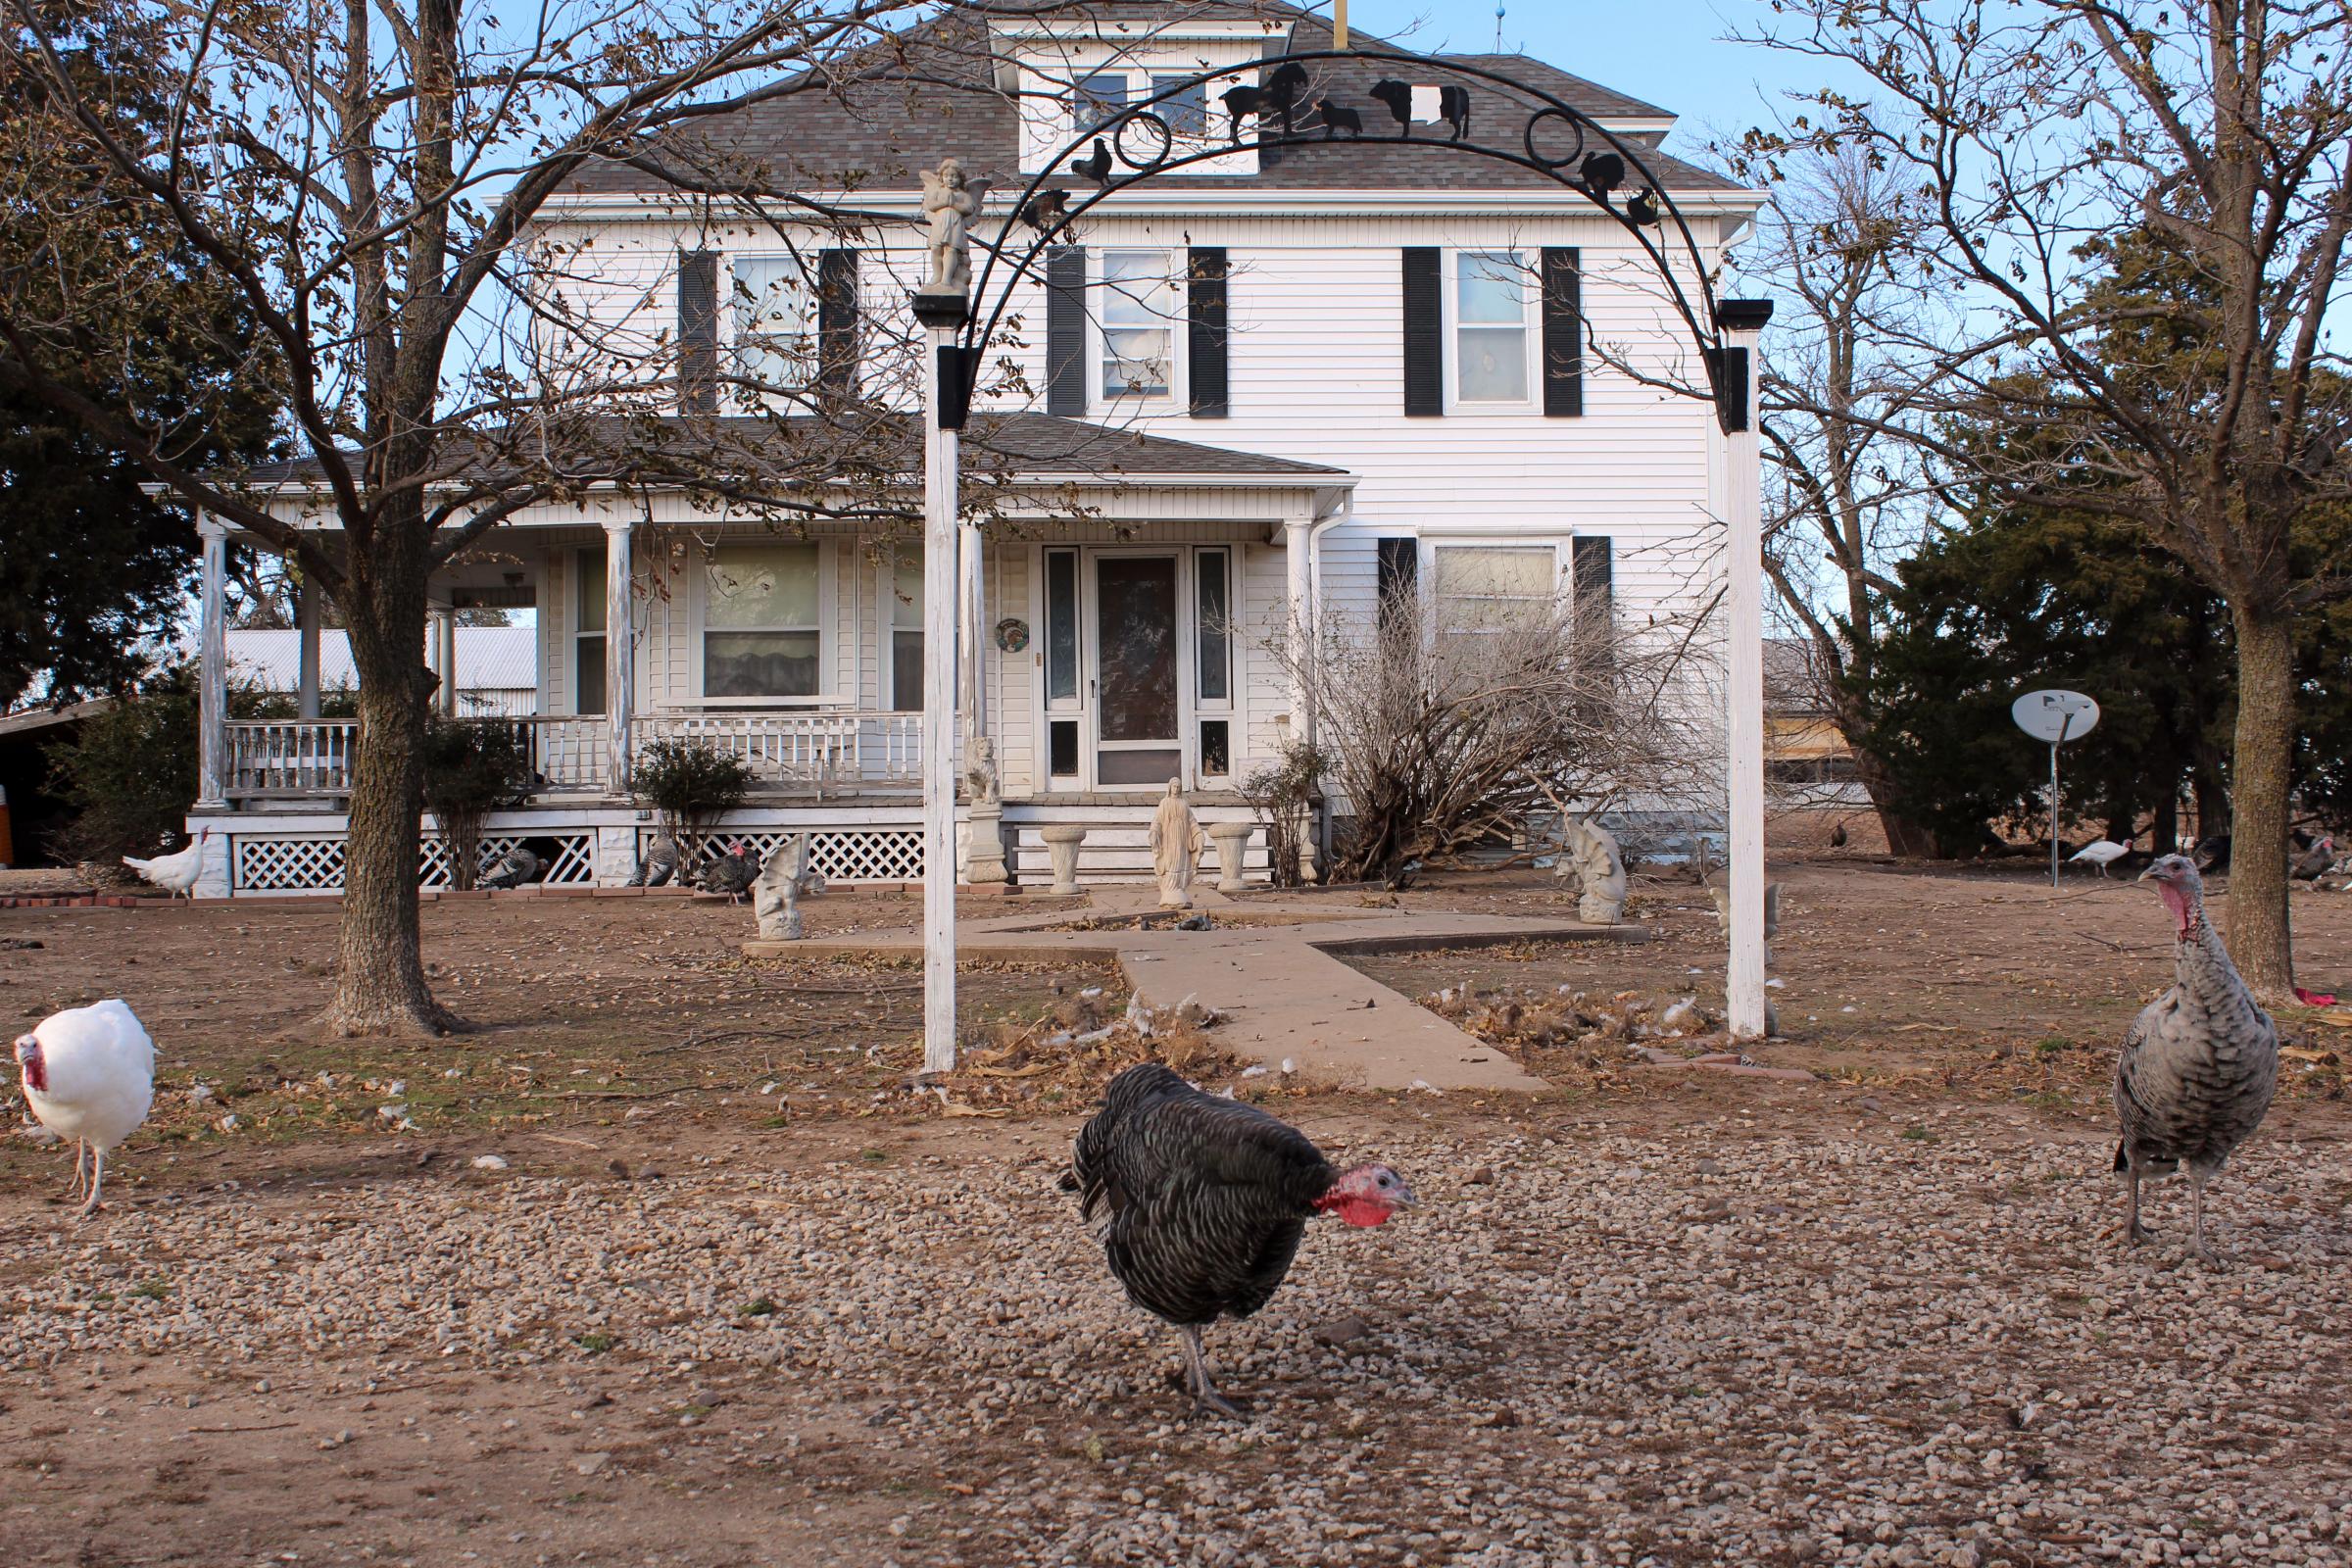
{"x": 2043, "y": 144}
{"x": 368, "y": 177}
{"x": 1452, "y": 723}
{"x": 1847, "y": 489}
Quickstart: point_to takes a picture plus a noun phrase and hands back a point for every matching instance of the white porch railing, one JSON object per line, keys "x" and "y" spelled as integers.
{"x": 291, "y": 756}
{"x": 813, "y": 750}
{"x": 816, "y": 748}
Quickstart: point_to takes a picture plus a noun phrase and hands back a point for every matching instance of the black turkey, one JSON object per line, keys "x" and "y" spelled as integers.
{"x": 1201, "y": 1201}
{"x": 733, "y": 872}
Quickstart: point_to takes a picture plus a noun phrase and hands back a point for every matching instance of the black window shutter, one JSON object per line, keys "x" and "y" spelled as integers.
{"x": 1205, "y": 331}
{"x": 1563, "y": 335}
{"x": 697, "y": 332}
{"x": 1065, "y": 330}
{"x": 837, "y": 322}
{"x": 1591, "y": 575}
{"x": 1400, "y": 574}
{"x": 1424, "y": 334}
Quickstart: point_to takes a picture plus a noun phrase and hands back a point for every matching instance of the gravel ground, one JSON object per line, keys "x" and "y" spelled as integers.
{"x": 1750, "y": 1336}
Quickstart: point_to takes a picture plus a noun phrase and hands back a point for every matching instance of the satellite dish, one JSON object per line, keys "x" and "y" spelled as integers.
{"x": 2055, "y": 716}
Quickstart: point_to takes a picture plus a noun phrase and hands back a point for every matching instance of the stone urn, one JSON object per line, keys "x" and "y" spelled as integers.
{"x": 1231, "y": 839}
{"x": 1062, "y": 848}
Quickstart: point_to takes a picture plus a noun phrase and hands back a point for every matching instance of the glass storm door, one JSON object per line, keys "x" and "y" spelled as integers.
{"x": 1138, "y": 707}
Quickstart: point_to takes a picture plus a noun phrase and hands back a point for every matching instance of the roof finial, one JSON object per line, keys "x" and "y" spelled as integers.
{"x": 1499, "y": 48}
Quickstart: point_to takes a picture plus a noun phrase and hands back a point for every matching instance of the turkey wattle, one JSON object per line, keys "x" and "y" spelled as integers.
{"x": 1201, "y": 1201}
{"x": 89, "y": 1075}
{"x": 2199, "y": 1065}
{"x": 176, "y": 874}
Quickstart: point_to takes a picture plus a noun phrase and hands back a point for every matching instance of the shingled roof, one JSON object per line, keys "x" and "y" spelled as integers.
{"x": 930, "y": 92}
{"x": 876, "y": 442}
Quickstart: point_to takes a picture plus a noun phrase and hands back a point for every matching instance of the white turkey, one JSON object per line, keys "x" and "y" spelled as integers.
{"x": 176, "y": 874}
{"x": 89, "y": 1075}
{"x": 2199, "y": 1065}
{"x": 513, "y": 868}
{"x": 2101, "y": 853}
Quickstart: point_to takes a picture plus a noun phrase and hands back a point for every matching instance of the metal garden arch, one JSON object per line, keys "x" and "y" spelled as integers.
{"x": 1287, "y": 107}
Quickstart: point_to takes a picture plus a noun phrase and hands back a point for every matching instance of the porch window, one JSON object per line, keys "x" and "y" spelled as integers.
{"x": 760, "y": 621}
{"x": 1214, "y": 617}
{"x": 775, "y": 322}
{"x": 1138, "y": 304}
{"x": 1484, "y": 588}
{"x": 1490, "y": 328}
{"x": 588, "y": 633}
{"x": 1061, "y": 625}
{"x": 906, "y": 631}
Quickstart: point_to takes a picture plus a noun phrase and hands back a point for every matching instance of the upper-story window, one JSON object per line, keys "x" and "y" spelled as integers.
{"x": 1491, "y": 327}
{"x": 1096, "y": 99}
{"x": 1138, "y": 307}
{"x": 774, "y": 322}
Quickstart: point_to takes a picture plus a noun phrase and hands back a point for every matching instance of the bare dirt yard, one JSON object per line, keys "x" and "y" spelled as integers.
{"x": 665, "y": 1264}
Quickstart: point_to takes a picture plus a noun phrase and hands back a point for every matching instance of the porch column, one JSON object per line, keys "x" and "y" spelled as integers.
{"x": 212, "y": 722}
{"x": 971, "y": 635}
{"x": 1742, "y": 323}
{"x": 305, "y": 619}
{"x": 445, "y": 660}
{"x": 620, "y": 655}
{"x": 1297, "y": 534}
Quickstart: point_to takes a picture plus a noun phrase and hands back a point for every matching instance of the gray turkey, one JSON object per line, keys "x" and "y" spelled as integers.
{"x": 1201, "y": 1201}
{"x": 2312, "y": 863}
{"x": 513, "y": 868}
{"x": 657, "y": 865}
{"x": 733, "y": 872}
{"x": 2199, "y": 1065}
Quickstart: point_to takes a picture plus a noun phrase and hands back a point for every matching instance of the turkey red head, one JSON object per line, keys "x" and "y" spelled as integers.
{"x": 34, "y": 1066}
{"x": 2181, "y": 889}
{"x": 1368, "y": 1195}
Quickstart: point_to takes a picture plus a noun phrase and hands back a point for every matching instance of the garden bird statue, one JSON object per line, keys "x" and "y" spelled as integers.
{"x": 1201, "y": 1201}
{"x": 88, "y": 1075}
{"x": 2199, "y": 1063}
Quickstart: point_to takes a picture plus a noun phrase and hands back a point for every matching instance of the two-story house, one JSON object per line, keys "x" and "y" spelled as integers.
{"x": 1296, "y": 375}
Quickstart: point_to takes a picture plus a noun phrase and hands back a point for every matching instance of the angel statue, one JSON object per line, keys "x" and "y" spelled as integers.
{"x": 950, "y": 202}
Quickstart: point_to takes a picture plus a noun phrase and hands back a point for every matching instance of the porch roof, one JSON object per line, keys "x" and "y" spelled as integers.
{"x": 857, "y": 445}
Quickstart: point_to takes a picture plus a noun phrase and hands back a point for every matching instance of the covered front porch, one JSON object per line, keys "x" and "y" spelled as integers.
{"x": 1100, "y": 654}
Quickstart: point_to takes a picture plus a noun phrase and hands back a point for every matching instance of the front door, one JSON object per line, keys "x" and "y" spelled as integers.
{"x": 1138, "y": 708}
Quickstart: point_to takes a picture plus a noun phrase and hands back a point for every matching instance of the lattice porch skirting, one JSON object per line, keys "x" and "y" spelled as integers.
{"x": 840, "y": 854}
{"x": 312, "y": 863}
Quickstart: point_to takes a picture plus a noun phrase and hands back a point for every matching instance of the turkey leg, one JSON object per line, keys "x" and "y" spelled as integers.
{"x": 97, "y": 1175}
{"x": 2134, "y": 1232}
{"x": 1205, "y": 1394}
{"x": 81, "y": 1149}
{"x": 2197, "y": 1175}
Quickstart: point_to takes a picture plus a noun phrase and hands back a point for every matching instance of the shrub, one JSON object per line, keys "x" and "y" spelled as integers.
{"x": 130, "y": 773}
{"x": 1283, "y": 794}
{"x": 688, "y": 782}
{"x": 472, "y": 768}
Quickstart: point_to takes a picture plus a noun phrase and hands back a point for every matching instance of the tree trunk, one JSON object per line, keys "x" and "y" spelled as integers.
{"x": 2260, "y": 939}
{"x": 1904, "y": 837}
{"x": 380, "y": 986}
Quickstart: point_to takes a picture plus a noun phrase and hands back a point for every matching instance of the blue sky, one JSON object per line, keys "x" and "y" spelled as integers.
{"x": 1670, "y": 52}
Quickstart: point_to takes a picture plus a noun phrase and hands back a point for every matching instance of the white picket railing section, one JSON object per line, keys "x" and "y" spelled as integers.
{"x": 811, "y": 749}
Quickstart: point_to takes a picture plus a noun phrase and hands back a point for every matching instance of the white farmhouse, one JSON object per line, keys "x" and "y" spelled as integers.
{"x": 1282, "y": 377}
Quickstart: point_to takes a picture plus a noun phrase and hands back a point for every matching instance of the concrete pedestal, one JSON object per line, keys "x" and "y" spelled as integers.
{"x": 1231, "y": 838}
{"x": 1061, "y": 845}
{"x": 984, "y": 848}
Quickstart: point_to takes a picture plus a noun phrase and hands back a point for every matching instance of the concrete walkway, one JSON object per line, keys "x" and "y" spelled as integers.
{"x": 1273, "y": 966}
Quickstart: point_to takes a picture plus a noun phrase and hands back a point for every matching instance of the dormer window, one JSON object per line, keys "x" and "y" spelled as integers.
{"x": 1097, "y": 100}
{"x": 1100, "y": 96}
